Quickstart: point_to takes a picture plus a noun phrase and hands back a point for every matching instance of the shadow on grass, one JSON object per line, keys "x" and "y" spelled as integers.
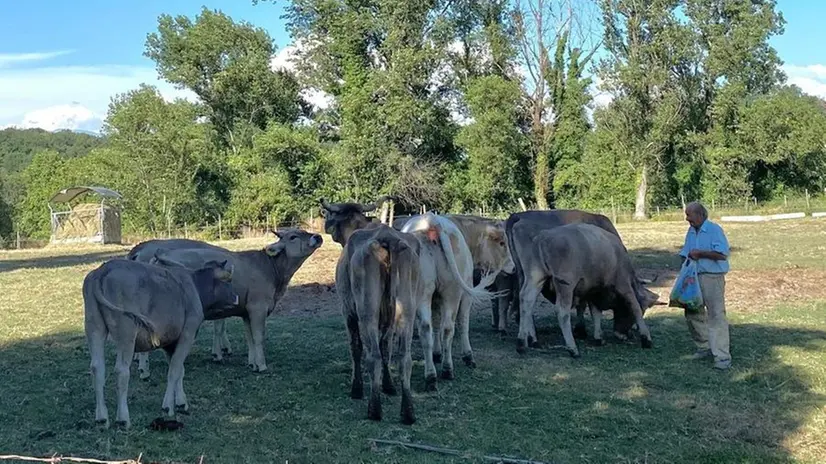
{"x": 617, "y": 403}
{"x": 51, "y": 262}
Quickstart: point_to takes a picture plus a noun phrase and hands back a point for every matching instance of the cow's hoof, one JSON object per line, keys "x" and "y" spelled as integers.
{"x": 430, "y": 383}
{"x": 520, "y": 346}
{"x": 123, "y": 424}
{"x": 502, "y": 332}
{"x": 646, "y": 342}
{"x": 182, "y": 409}
{"x": 216, "y": 358}
{"x": 468, "y": 360}
{"x": 447, "y": 374}
{"x": 143, "y": 375}
{"x": 437, "y": 358}
{"x": 389, "y": 390}
{"x": 580, "y": 333}
{"x": 374, "y": 411}
{"x": 226, "y": 351}
{"x": 408, "y": 418}
{"x": 103, "y": 423}
{"x": 533, "y": 342}
{"x": 357, "y": 392}
{"x": 598, "y": 342}
{"x": 574, "y": 354}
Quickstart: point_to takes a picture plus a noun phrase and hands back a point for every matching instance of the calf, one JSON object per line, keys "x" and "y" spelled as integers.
{"x": 143, "y": 307}
{"x": 261, "y": 278}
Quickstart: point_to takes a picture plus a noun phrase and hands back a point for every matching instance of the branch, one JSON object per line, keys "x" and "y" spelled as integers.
{"x": 58, "y": 459}
{"x": 452, "y": 452}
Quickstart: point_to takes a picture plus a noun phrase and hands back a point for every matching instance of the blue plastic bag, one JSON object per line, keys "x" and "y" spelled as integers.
{"x": 686, "y": 293}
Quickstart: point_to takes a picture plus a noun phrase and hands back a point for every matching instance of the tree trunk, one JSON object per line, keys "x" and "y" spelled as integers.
{"x": 541, "y": 178}
{"x": 642, "y": 192}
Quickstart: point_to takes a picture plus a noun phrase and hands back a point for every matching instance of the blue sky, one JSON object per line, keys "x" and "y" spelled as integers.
{"x": 60, "y": 62}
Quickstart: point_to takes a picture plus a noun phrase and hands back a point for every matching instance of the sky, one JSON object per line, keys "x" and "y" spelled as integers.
{"x": 60, "y": 64}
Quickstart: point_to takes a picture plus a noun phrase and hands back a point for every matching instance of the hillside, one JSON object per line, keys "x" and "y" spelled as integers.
{"x": 18, "y": 146}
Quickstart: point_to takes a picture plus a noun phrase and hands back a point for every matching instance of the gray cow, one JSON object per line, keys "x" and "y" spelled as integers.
{"x": 143, "y": 307}
{"x": 579, "y": 261}
{"x": 521, "y": 228}
{"x": 261, "y": 278}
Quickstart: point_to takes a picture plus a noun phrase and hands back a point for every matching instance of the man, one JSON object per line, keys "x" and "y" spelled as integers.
{"x": 706, "y": 243}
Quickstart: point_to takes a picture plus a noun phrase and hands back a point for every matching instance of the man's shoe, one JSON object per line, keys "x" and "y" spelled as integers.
{"x": 722, "y": 365}
{"x": 701, "y": 354}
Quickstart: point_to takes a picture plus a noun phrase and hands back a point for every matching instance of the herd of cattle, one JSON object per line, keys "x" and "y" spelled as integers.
{"x": 424, "y": 271}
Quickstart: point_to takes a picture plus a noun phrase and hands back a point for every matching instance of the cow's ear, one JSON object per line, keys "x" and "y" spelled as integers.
{"x": 278, "y": 233}
{"x": 274, "y": 249}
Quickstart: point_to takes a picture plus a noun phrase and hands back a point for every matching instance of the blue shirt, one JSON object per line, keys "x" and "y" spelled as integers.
{"x": 710, "y": 237}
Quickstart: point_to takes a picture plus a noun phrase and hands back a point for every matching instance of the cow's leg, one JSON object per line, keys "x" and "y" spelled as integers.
{"x": 258, "y": 320}
{"x": 96, "y": 338}
{"x": 143, "y": 364}
{"x": 564, "y": 304}
{"x": 218, "y": 336}
{"x": 226, "y": 348}
{"x": 250, "y": 345}
{"x": 175, "y": 374}
{"x": 123, "y": 361}
{"x": 356, "y": 348}
{"x": 580, "y": 332}
{"x": 450, "y": 308}
{"x": 503, "y": 302}
{"x": 405, "y": 331}
{"x": 527, "y": 300}
{"x": 596, "y": 315}
{"x": 437, "y": 313}
{"x": 630, "y": 297}
{"x": 386, "y": 347}
{"x": 464, "y": 311}
{"x": 494, "y": 313}
{"x": 424, "y": 316}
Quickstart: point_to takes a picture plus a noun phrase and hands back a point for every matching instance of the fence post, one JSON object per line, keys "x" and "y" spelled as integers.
{"x": 186, "y": 230}
{"x": 613, "y": 211}
{"x": 18, "y": 239}
{"x": 807, "y": 198}
{"x": 220, "y": 233}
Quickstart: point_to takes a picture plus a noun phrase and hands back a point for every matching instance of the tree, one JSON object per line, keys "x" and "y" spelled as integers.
{"x": 158, "y": 147}
{"x": 646, "y": 43}
{"x": 42, "y": 178}
{"x": 227, "y": 65}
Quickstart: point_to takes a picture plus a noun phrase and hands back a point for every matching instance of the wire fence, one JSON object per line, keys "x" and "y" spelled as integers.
{"x": 215, "y": 230}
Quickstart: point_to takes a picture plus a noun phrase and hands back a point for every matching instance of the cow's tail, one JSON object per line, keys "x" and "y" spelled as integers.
{"x": 404, "y": 277}
{"x": 478, "y": 292}
{"x": 517, "y": 264}
{"x": 141, "y": 320}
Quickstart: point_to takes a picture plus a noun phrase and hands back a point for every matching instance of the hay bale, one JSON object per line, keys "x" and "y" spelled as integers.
{"x": 83, "y": 224}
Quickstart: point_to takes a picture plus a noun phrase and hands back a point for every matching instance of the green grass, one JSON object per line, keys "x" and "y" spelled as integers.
{"x": 617, "y": 403}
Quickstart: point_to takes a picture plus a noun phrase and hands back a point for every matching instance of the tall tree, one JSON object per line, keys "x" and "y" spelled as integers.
{"x": 227, "y": 65}
{"x": 645, "y": 42}
{"x": 555, "y": 43}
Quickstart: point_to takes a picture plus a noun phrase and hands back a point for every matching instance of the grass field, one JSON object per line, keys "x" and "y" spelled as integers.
{"x": 617, "y": 403}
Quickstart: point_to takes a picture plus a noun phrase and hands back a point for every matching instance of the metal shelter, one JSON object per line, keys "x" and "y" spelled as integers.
{"x": 85, "y": 222}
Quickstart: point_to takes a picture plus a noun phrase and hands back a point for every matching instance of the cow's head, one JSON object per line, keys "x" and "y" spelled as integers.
{"x": 294, "y": 244}
{"x": 342, "y": 219}
{"x": 494, "y": 252}
{"x": 214, "y": 284}
{"x": 624, "y": 319}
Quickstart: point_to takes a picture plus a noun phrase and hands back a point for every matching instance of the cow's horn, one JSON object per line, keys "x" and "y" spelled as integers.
{"x": 328, "y": 206}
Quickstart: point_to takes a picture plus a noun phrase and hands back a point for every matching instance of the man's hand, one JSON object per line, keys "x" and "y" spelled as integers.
{"x": 696, "y": 254}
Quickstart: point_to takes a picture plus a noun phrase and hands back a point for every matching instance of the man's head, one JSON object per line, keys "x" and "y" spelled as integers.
{"x": 696, "y": 214}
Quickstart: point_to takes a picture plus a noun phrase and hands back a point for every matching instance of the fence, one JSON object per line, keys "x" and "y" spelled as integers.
{"x": 215, "y": 230}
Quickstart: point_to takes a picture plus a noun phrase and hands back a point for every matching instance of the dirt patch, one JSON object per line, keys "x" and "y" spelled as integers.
{"x": 754, "y": 290}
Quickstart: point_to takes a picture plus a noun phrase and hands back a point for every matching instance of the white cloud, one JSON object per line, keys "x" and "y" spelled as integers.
{"x": 811, "y": 79}
{"x": 63, "y": 97}
{"x": 285, "y": 59}
{"x": 9, "y": 59}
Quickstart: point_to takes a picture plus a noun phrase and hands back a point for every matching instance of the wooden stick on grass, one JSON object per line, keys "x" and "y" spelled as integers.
{"x": 453, "y": 452}
{"x": 59, "y": 459}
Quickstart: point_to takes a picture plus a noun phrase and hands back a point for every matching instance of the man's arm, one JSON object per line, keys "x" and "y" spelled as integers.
{"x": 707, "y": 254}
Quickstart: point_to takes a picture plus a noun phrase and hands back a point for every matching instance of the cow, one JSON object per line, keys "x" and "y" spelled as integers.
{"x": 261, "y": 278}
{"x": 442, "y": 241}
{"x": 581, "y": 262}
{"x": 489, "y": 248}
{"x": 145, "y": 252}
{"x": 530, "y": 223}
{"x": 142, "y": 307}
{"x": 378, "y": 282}
{"x": 453, "y": 284}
